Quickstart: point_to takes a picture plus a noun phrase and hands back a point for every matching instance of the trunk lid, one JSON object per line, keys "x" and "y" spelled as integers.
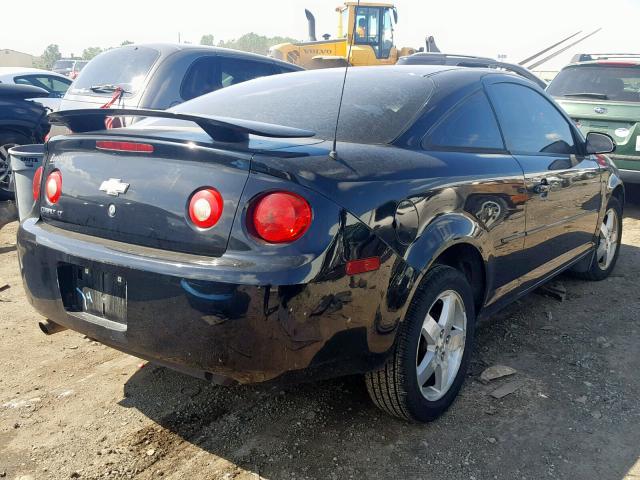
{"x": 153, "y": 208}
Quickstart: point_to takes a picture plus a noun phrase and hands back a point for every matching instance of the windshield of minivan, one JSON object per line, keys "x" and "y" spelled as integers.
{"x": 121, "y": 67}
{"x": 598, "y": 82}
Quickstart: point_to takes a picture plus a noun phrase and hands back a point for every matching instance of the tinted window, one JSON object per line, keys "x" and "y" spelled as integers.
{"x": 599, "y": 82}
{"x": 54, "y": 85}
{"x": 530, "y": 123}
{"x": 377, "y": 106}
{"x": 124, "y": 67}
{"x": 470, "y": 125}
{"x": 202, "y": 77}
{"x": 208, "y": 74}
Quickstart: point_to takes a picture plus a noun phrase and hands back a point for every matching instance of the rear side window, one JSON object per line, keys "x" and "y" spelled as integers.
{"x": 54, "y": 85}
{"x": 125, "y": 67}
{"x": 598, "y": 82}
{"x": 471, "y": 124}
{"x": 208, "y": 74}
{"x": 202, "y": 77}
{"x": 530, "y": 123}
{"x": 237, "y": 70}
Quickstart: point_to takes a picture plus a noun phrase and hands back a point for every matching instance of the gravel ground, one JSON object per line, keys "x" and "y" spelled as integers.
{"x": 72, "y": 408}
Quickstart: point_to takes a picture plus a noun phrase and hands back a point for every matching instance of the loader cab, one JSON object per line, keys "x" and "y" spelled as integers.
{"x": 369, "y": 25}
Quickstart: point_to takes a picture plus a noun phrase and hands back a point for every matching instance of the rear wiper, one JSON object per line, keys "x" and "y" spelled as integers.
{"x": 599, "y": 96}
{"x": 107, "y": 88}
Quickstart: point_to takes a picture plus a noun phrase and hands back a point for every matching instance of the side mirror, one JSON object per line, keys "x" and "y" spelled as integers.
{"x": 395, "y": 15}
{"x": 600, "y": 143}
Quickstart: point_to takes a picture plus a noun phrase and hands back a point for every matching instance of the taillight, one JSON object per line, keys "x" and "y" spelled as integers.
{"x": 281, "y": 217}
{"x": 37, "y": 181}
{"x": 205, "y": 207}
{"x": 53, "y": 186}
{"x": 113, "y": 146}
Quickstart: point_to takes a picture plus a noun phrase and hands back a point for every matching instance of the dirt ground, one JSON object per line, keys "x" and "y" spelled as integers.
{"x": 72, "y": 408}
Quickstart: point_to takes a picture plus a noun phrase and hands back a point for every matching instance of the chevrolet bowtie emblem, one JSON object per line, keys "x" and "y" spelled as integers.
{"x": 114, "y": 187}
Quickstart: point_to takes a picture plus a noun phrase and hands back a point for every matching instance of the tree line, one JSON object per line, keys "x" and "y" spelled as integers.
{"x": 249, "y": 42}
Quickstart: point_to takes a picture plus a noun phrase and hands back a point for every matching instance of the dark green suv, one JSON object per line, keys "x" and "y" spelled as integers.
{"x": 602, "y": 94}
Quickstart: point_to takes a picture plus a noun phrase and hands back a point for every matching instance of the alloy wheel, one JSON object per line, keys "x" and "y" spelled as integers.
{"x": 608, "y": 239}
{"x": 5, "y": 166}
{"x": 441, "y": 345}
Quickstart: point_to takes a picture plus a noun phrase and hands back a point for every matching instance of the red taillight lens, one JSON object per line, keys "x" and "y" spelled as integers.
{"x": 113, "y": 146}
{"x": 205, "y": 207}
{"x": 53, "y": 186}
{"x": 37, "y": 181}
{"x": 281, "y": 217}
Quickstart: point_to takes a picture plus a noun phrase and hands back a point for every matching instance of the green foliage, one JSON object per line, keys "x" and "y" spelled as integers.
{"x": 207, "y": 40}
{"x": 90, "y": 52}
{"x": 252, "y": 42}
{"x": 126, "y": 42}
{"x": 50, "y": 55}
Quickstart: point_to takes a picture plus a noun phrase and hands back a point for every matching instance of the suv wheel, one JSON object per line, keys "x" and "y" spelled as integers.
{"x": 425, "y": 372}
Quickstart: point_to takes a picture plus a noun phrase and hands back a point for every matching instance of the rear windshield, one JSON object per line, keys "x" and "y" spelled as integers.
{"x": 63, "y": 64}
{"x": 122, "y": 67}
{"x": 598, "y": 82}
{"x": 378, "y": 105}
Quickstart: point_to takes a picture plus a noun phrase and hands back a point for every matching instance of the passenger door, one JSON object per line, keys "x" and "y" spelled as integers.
{"x": 562, "y": 182}
{"x": 468, "y": 140}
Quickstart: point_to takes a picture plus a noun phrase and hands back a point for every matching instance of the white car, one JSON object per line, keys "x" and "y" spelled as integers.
{"x": 53, "y": 83}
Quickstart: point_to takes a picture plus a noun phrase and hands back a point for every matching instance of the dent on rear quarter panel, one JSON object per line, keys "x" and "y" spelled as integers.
{"x": 451, "y": 191}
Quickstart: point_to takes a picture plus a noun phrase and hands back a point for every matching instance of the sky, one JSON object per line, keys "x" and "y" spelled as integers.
{"x": 516, "y": 28}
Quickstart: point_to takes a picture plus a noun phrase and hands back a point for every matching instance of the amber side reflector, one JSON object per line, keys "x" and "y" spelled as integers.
{"x": 363, "y": 265}
{"x": 124, "y": 146}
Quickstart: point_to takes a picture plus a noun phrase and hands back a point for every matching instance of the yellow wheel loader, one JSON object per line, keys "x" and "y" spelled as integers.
{"x": 367, "y": 27}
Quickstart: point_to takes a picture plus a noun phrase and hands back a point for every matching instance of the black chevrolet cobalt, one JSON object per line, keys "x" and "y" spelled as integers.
{"x": 287, "y": 229}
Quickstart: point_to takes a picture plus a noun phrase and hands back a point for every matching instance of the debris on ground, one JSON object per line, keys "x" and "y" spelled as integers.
{"x": 506, "y": 389}
{"x": 496, "y": 371}
{"x": 5, "y": 287}
{"x": 555, "y": 290}
{"x": 547, "y": 428}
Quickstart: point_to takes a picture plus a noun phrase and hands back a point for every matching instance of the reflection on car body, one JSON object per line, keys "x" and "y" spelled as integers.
{"x": 270, "y": 252}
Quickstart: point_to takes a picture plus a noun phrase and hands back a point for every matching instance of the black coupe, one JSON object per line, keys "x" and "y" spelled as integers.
{"x": 288, "y": 228}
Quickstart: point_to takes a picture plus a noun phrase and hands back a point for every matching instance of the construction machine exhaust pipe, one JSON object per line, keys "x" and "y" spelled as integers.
{"x": 49, "y": 328}
{"x": 312, "y": 25}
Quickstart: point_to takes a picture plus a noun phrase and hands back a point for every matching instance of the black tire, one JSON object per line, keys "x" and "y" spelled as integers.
{"x": 597, "y": 271}
{"x": 394, "y": 387}
{"x": 8, "y": 140}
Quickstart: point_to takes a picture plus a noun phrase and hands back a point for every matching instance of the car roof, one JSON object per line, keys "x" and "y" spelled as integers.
{"x": 27, "y": 71}
{"x": 167, "y": 49}
{"x": 607, "y": 63}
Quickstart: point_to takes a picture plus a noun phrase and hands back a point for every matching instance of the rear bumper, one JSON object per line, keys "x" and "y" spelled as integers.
{"x": 247, "y": 331}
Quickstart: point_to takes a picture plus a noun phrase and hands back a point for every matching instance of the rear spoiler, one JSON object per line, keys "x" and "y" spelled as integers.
{"x": 223, "y": 129}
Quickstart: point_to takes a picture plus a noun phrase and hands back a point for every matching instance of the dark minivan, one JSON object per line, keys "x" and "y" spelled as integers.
{"x": 160, "y": 76}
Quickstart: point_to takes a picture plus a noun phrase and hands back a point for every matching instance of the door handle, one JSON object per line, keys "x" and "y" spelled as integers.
{"x": 542, "y": 187}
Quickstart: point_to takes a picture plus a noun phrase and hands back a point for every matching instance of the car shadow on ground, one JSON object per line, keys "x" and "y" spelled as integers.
{"x": 571, "y": 417}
